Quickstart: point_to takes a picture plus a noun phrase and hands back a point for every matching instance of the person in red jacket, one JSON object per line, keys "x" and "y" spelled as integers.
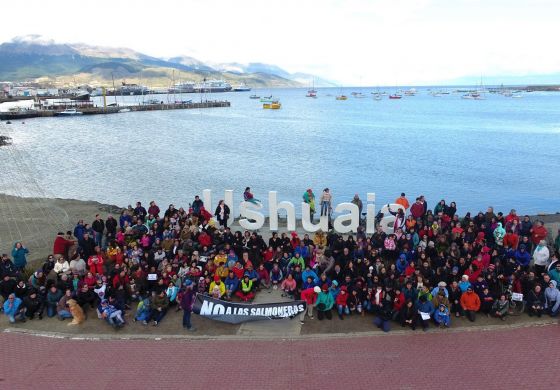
{"x": 309, "y": 295}
{"x": 538, "y": 232}
{"x": 95, "y": 264}
{"x": 342, "y": 302}
{"x": 61, "y": 246}
{"x": 398, "y": 303}
{"x": 204, "y": 239}
{"x": 417, "y": 209}
{"x": 511, "y": 240}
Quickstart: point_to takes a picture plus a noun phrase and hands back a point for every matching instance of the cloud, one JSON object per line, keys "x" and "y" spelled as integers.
{"x": 355, "y": 41}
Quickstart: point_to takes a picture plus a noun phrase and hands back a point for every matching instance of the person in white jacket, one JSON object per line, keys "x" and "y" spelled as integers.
{"x": 62, "y": 266}
{"x": 541, "y": 256}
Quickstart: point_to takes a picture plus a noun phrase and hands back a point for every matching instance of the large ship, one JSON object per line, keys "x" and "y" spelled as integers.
{"x": 187, "y": 87}
{"x": 241, "y": 88}
{"x": 129, "y": 90}
{"x": 212, "y": 86}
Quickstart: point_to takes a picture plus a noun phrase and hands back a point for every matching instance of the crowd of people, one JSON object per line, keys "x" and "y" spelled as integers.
{"x": 432, "y": 267}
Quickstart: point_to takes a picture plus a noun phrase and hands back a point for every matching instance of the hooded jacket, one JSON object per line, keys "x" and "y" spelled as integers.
{"x": 552, "y": 297}
{"x": 541, "y": 255}
{"x": 470, "y": 301}
{"x": 19, "y": 256}
{"x": 326, "y": 300}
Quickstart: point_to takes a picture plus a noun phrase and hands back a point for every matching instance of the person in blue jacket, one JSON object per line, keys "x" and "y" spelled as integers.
{"x": 402, "y": 263}
{"x": 308, "y": 272}
{"x": 425, "y": 310}
{"x": 522, "y": 257}
{"x": 19, "y": 254}
{"x": 232, "y": 284}
{"x": 442, "y": 317}
{"x": 13, "y": 309}
{"x": 440, "y": 287}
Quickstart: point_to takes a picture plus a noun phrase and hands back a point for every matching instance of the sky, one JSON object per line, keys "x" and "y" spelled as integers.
{"x": 353, "y": 42}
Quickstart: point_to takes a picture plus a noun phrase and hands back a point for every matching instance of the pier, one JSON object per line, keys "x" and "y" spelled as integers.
{"x": 90, "y": 110}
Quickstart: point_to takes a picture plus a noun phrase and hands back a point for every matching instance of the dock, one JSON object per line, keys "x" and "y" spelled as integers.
{"x": 41, "y": 113}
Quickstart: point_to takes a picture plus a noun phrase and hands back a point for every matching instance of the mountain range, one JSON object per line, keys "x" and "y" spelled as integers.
{"x": 34, "y": 58}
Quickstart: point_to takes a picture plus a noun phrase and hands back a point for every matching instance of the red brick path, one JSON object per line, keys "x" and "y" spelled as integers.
{"x": 505, "y": 359}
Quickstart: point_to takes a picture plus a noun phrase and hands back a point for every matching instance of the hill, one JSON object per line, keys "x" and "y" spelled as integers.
{"x": 35, "y": 58}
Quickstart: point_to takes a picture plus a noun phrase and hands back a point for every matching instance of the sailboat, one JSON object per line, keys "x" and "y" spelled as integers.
{"x": 395, "y": 95}
{"x": 341, "y": 96}
{"x": 312, "y": 93}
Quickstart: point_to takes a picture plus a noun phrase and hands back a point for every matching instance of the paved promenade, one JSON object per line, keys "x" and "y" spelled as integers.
{"x": 499, "y": 359}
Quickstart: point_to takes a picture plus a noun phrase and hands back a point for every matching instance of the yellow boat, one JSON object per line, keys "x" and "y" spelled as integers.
{"x": 342, "y": 97}
{"x": 272, "y": 105}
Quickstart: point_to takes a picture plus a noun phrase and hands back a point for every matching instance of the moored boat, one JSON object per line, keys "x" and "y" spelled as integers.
{"x": 342, "y": 97}
{"x": 275, "y": 105}
{"x": 395, "y": 96}
{"x": 68, "y": 112}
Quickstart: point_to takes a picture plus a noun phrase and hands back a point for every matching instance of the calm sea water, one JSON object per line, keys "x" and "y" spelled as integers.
{"x": 500, "y": 151}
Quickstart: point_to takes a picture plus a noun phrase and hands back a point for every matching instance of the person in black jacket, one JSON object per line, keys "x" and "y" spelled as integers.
{"x": 222, "y": 213}
{"x": 98, "y": 227}
{"x": 7, "y": 287}
{"x": 33, "y": 305}
{"x": 408, "y": 315}
{"x": 535, "y": 301}
{"x": 86, "y": 296}
{"x": 111, "y": 227}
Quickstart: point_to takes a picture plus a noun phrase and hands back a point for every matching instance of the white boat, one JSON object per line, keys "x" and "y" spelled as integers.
{"x": 241, "y": 88}
{"x": 210, "y": 86}
{"x": 124, "y": 110}
{"x": 69, "y": 112}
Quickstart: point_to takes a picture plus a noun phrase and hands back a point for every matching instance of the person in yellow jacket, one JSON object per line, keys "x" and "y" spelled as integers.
{"x": 221, "y": 257}
{"x": 246, "y": 292}
{"x": 217, "y": 283}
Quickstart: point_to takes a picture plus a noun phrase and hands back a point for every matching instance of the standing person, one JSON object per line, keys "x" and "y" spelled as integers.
{"x": 222, "y": 213}
{"x": 19, "y": 254}
{"x": 326, "y": 199}
{"x": 309, "y": 295}
{"x": 98, "y": 227}
{"x": 358, "y": 202}
{"x": 140, "y": 211}
{"x": 197, "y": 205}
{"x": 538, "y": 232}
{"x": 111, "y": 227}
{"x": 417, "y": 209}
{"x": 248, "y": 196}
{"x": 540, "y": 258}
{"x": 187, "y": 302}
{"x": 309, "y": 198}
{"x": 403, "y": 201}
{"x": 61, "y": 244}
{"x": 154, "y": 209}
{"x": 324, "y": 303}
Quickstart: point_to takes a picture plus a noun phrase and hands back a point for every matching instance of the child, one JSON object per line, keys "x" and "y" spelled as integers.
{"x": 276, "y": 276}
{"x": 442, "y": 317}
{"x": 342, "y": 302}
{"x": 289, "y": 286}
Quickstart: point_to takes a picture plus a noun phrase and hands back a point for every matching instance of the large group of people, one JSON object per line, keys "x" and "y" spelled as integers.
{"x": 432, "y": 266}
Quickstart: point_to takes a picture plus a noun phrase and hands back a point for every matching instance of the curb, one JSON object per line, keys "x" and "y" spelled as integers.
{"x": 318, "y": 336}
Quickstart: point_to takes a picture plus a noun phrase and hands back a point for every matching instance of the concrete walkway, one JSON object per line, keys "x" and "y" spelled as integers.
{"x": 271, "y": 328}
